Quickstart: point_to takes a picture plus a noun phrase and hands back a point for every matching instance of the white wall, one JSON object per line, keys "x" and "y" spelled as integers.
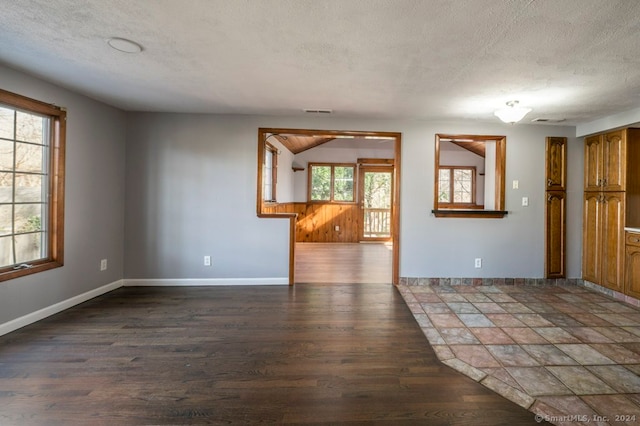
{"x": 191, "y": 191}
{"x": 94, "y": 201}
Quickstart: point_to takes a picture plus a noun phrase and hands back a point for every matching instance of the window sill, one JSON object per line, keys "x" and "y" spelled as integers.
{"x": 470, "y": 213}
{"x": 10, "y": 273}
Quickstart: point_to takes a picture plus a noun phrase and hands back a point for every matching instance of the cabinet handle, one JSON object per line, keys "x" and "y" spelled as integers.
{"x": 549, "y": 182}
{"x": 599, "y": 182}
{"x": 604, "y": 182}
{"x": 635, "y": 240}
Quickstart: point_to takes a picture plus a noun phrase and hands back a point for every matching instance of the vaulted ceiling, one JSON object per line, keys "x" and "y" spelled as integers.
{"x": 573, "y": 60}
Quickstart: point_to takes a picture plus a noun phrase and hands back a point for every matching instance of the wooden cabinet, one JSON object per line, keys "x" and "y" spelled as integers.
{"x": 555, "y": 234}
{"x": 556, "y": 163}
{"x": 555, "y": 211}
{"x": 612, "y": 226}
{"x": 603, "y": 239}
{"x": 605, "y": 162}
{"x": 632, "y": 265}
{"x": 591, "y": 235}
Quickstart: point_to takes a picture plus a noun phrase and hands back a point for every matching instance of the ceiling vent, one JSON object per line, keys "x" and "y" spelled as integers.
{"x": 317, "y": 111}
{"x": 548, "y": 120}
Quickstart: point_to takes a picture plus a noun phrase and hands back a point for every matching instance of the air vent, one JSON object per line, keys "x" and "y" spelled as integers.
{"x": 317, "y": 111}
{"x": 548, "y": 120}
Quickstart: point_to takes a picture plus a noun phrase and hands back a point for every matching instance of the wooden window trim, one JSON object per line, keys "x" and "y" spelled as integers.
{"x": 495, "y": 212}
{"x": 263, "y": 134}
{"x": 331, "y": 197}
{"x": 57, "y": 142}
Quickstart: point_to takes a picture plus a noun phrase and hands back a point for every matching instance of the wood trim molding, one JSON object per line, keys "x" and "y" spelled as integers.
{"x": 495, "y": 212}
{"x": 475, "y": 213}
{"x": 260, "y": 205}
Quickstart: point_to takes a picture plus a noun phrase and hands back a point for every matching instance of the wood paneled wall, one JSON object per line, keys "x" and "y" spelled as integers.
{"x": 317, "y": 222}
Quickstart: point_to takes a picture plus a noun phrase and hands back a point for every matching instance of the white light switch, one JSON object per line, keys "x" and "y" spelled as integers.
{"x": 516, "y": 184}
{"x": 525, "y": 201}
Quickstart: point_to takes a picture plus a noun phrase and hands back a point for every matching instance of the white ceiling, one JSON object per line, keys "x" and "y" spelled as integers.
{"x": 577, "y": 60}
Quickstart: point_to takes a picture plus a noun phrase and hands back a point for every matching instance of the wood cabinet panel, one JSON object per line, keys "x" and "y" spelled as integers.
{"x": 632, "y": 265}
{"x": 593, "y": 163}
{"x": 614, "y": 161}
{"x": 603, "y": 239}
{"x": 605, "y": 161}
{"x": 556, "y": 160}
{"x": 591, "y": 237}
{"x": 556, "y": 235}
{"x": 612, "y": 226}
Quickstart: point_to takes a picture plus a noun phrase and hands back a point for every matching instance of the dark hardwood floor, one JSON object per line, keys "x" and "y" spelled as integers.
{"x": 334, "y": 354}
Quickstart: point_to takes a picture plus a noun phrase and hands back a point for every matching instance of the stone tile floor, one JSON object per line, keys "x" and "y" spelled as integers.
{"x": 566, "y": 353}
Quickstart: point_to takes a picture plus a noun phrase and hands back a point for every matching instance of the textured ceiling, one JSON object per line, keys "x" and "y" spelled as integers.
{"x": 436, "y": 59}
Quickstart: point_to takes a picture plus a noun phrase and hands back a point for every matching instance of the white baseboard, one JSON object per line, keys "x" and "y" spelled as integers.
{"x": 186, "y": 282}
{"x": 43, "y": 313}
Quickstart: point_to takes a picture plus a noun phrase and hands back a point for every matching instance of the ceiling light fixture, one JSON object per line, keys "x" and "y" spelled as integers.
{"x": 512, "y": 113}
{"x": 124, "y": 45}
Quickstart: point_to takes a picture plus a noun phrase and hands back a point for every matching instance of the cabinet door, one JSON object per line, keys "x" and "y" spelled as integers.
{"x": 614, "y": 161}
{"x": 593, "y": 163}
{"x": 632, "y": 269}
{"x": 591, "y": 237}
{"x": 556, "y": 235}
{"x": 612, "y": 224}
{"x": 556, "y": 160}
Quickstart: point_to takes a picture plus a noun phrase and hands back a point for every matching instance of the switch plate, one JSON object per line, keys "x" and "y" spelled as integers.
{"x": 103, "y": 265}
{"x": 478, "y": 263}
{"x": 525, "y": 201}
{"x": 207, "y": 261}
{"x": 516, "y": 184}
{"x": 337, "y": 227}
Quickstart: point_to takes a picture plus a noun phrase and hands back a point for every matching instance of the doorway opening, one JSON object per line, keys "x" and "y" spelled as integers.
{"x": 340, "y": 192}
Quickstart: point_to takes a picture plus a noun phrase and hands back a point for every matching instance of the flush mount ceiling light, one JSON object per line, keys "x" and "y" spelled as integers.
{"x": 512, "y": 113}
{"x": 124, "y": 45}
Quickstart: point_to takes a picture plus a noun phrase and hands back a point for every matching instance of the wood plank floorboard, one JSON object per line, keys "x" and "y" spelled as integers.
{"x": 309, "y": 354}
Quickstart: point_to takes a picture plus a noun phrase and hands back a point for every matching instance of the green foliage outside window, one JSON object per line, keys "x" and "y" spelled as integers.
{"x": 332, "y": 183}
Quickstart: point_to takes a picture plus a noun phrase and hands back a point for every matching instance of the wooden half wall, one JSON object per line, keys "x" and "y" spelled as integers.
{"x": 317, "y": 222}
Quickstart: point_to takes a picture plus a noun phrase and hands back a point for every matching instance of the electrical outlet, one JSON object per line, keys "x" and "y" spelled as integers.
{"x": 516, "y": 184}
{"x": 337, "y": 227}
{"x": 103, "y": 265}
{"x": 478, "y": 263}
{"x": 207, "y": 261}
{"x": 525, "y": 201}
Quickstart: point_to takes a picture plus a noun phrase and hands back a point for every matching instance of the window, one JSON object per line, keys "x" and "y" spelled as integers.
{"x": 32, "y": 136}
{"x": 457, "y": 185}
{"x": 479, "y": 193}
{"x": 332, "y": 182}
{"x": 270, "y": 171}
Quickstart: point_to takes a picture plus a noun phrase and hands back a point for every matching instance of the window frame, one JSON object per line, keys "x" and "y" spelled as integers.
{"x": 54, "y": 257}
{"x": 453, "y": 204}
{"x": 494, "y": 211}
{"x": 270, "y": 151}
{"x": 331, "y": 199}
